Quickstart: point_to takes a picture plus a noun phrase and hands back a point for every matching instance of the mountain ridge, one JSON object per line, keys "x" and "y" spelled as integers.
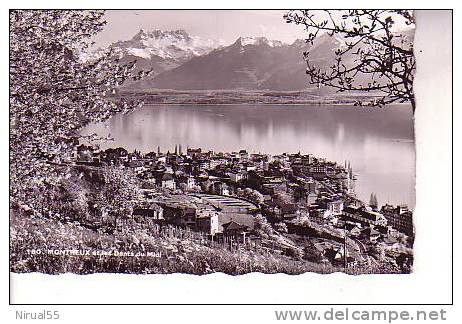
{"x": 161, "y": 50}
{"x": 249, "y": 63}
{"x": 183, "y": 62}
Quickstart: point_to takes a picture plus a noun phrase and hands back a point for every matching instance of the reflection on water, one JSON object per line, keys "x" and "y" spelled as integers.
{"x": 378, "y": 142}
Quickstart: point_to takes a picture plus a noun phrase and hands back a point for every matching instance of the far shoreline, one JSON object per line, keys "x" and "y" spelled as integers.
{"x": 274, "y": 104}
{"x": 248, "y": 98}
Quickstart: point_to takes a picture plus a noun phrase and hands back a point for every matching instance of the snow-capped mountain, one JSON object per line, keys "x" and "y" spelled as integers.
{"x": 162, "y": 50}
{"x": 256, "y": 41}
{"x": 249, "y": 63}
{"x": 174, "y": 45}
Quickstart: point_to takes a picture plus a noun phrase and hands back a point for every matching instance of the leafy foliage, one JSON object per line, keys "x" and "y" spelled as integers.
{"x": 262, "y": 227}
{"x": 281, "y": 227}
{"x": 383, "y": 58}
{"x": 32, "y": 235}
{"x": 54, "y": 91}
{"x": 120, "y": 193}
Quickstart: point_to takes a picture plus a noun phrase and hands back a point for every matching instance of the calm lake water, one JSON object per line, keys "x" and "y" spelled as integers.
{"x": 379, "y": 143}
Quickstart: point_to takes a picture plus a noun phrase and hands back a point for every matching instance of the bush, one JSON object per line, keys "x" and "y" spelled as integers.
{"x": 176, "y": 255}
{"x": 281, "y": 227}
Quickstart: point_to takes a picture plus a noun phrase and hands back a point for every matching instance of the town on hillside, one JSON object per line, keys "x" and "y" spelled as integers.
{"x": 309, "y": 201}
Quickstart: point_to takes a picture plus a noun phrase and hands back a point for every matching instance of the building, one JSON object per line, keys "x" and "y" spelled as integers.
{"x": 319, "y": 168}
{"x": 370, "y": 234}
{"x": 228, "y": 205}
{"x": 310, "y": 186}
{"x": 207, "y": 220}
{"x": 400, "y": 218}
{"x": 364, "y": 216}
{"x": 204, "y": 164}
{"x": 213, "y": 163}
{"x": 167, "y": 181}
{"x": 235, "y": 224}
{"x": 243, "y": 155}
{"x": 217, "y": 223}
{"x": 187, "y": 183}
{"x": 193, "y": 152}
{"x": 237, "y": 176}
{"x": 311, "y": 198}
{"x": 234, "y": 229}
{"x": 220, "y": 188}
{"x": 180, "y": 213}
{"x": 153, "y": 211}
{"x": 353, "y": 229}
{"x": 317, "y": 213}
{"x": 137, "y": 165}
{"x": 335, "y": 207}
{"x": 307, "y": 159}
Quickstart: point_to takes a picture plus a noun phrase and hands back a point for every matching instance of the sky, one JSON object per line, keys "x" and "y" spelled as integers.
{"x": 225, "y": 25}
{"x": 220, "y": 25}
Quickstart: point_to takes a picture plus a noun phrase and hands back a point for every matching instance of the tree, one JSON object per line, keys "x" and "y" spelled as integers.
{"x": 55, "y": 90}
{"x": 373, "y": 202}
{"x": 262, "y": 227}
{"x": 120, "y": 193}
{"x": 304, "y": 221}
{"x": 378, "y": 252}
{"x": 374, "y": 56}
{"x": 281, "y": 227}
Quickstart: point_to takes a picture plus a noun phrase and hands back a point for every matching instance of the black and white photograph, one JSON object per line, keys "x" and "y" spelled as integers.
{"x": 183, "y": 141}
{"x": 212, "y": 141}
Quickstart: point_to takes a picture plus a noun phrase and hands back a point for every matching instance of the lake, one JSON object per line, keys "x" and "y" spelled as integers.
{"x": 378, "y": 142}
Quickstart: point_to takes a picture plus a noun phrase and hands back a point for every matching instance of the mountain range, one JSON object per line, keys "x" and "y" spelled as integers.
{"x": 183, "y": 62}
{"x": 159, "y": 50}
